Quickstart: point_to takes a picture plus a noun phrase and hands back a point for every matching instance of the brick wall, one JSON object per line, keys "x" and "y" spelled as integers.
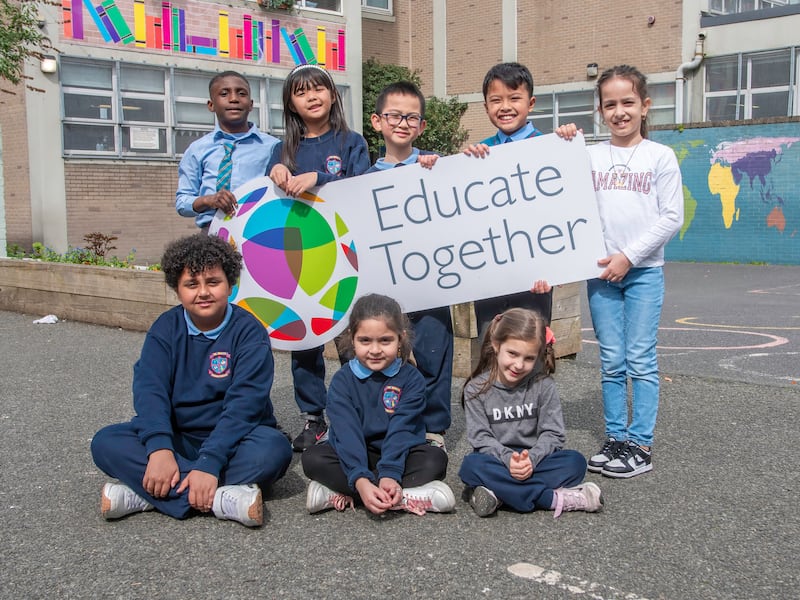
{"x": 477, "y": 123}
{"x": 384, "y": 41}
{"x": 474, "y": 44}
{"x": 558, "y": 38}
{"x": 406, "y": 40}
{"x": 135, "y": 202}
{"x": 15, "y": 165}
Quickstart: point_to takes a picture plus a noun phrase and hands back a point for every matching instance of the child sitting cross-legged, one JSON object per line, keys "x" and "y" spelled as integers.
{"x": 204, "y": 437}
{"x": 516, "y": 428}
{"x": 375, "y": 450}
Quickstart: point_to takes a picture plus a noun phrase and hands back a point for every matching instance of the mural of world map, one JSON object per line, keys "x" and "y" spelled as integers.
{"x": 740, "y": 193}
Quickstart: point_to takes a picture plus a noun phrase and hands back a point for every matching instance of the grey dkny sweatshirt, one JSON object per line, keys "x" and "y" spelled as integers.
{"x": 502, "y": 420}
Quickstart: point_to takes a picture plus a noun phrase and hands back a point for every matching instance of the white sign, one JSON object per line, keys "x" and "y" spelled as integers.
{"x": 465, "y": 230}
{"x": 144, "y": 138}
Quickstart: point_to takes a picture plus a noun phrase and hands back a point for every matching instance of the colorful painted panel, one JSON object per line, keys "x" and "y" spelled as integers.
{"x": 300, "y": 271}
{"x": 204, "y": 30}
{"x": 740, "y": 193}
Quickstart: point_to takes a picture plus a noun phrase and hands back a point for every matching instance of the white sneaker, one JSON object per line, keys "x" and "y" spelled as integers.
{"x": 435, "y": 496}
{"x": 118, "y": 500}
{"x": 320, "y": 497}
{"x": 240, "y": 503}
{"x": 484, "y": 501}
{"x": 436, "y": 440}
{"x": 586, "y": 497}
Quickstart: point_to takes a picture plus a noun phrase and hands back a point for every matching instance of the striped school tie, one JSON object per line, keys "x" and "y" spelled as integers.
{"x": 225, "y": 168}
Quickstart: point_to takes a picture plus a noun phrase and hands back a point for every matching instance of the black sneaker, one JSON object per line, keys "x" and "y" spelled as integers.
{"x": 311, "y": 434}
{"x": 633, "y": 460}
{"x": 607, "y": 453}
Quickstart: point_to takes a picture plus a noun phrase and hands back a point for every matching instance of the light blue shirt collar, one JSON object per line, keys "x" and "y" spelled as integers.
{"x": 363, "y": 372}
{"x": 219, "y": 134}
{"x": 520, "y": 134}
{"x": 192, "y": 329}
{"x": 382, "y": 165}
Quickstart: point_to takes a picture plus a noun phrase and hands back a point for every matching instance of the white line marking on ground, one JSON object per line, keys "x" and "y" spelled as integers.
{"x": 775, "y": 340}
{"x": 569, "y": 583}
{"x": 691, "y": 321}
{"x": 734, "y": 363}
{"x": 778, "y": 290}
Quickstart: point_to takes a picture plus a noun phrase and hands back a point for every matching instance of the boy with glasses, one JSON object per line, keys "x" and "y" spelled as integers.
{"x": 400, "y": 117}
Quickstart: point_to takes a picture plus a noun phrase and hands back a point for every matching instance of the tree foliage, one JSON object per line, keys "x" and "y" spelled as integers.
{"x": 20, "y": 37}
{"x": 443, "y": 134}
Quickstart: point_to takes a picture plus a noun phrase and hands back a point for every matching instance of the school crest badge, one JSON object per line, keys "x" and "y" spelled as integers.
{"x": 391, "y": 396}
{"x": 333, "y": 164}
{"x": 219, "y": 364}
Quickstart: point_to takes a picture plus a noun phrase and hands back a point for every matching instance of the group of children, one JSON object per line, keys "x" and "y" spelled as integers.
{"x": 204, "y": 437}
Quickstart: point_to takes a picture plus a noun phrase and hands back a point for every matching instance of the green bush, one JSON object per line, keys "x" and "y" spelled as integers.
{"x": 443, "y": 134}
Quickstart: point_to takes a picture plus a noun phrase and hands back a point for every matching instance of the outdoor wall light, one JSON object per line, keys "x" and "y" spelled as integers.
{"x": 591, "y": 70}
{"x": 48, "y": 64}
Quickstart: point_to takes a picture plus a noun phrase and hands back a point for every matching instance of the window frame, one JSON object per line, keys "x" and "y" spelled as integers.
{"x": 267, "y": 111}
{"x": 745, "y": 94}
{"x": 389, "y": 11}
{"x": 303, "y": 4}
{"x": 599, "y": 131}
{"x": 758, "y": 5}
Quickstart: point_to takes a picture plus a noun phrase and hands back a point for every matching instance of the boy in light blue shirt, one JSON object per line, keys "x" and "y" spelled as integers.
{"x": 222, "y": 160}
{"x": 508, "y": 100}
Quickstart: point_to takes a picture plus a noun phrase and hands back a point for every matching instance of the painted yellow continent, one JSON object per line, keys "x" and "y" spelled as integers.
{"x": 720, "y": 182}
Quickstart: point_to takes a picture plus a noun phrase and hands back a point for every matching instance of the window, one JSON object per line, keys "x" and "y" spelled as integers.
{"x": 750, "y": 86}
{"x": 554, "y": 109}
{"x": 558, "y": 108}
{"x": 729, "y": 7}
{"x": 142, "y": 94}
{"x": 662, "y": 107}
{"x": 384, "y": 6}
{"x": 119, "y": 109}
{"x": 331, "y": 5}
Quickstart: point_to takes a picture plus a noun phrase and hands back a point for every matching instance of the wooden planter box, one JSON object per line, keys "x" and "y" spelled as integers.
{"x": 565, "y": 323}
{"x": 127, "y": 298}
{"x": 132, "y": 299}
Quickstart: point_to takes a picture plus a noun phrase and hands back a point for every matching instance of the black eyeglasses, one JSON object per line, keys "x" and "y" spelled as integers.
{"x": 394, "y": 119}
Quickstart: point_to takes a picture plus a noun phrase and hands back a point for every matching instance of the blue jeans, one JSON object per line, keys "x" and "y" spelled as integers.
{"x": 625, "y": 316}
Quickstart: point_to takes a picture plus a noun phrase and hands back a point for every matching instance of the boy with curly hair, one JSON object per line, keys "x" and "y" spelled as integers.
{"x": 204, "y": 437}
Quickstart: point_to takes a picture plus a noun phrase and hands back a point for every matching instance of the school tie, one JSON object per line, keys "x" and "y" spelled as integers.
{"x": 225, "y": 168}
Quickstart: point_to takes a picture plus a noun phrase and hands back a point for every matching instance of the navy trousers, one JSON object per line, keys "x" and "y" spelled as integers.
{"x": 308, "y": 371}
{"x": 563, "y": 468}
{"x": 424, "y": 464}
{"x": 433, "y": 352}
{"x": 262, "y": 457}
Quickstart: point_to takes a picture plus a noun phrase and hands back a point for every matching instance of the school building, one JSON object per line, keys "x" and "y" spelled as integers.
{"x": 92, "y": 142}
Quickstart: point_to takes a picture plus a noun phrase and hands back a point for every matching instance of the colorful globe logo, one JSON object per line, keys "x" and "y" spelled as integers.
{"x": 300, "y": 271}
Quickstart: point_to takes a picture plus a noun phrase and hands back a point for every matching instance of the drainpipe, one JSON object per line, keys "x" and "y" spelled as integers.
{"x": 680, "y": 75}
